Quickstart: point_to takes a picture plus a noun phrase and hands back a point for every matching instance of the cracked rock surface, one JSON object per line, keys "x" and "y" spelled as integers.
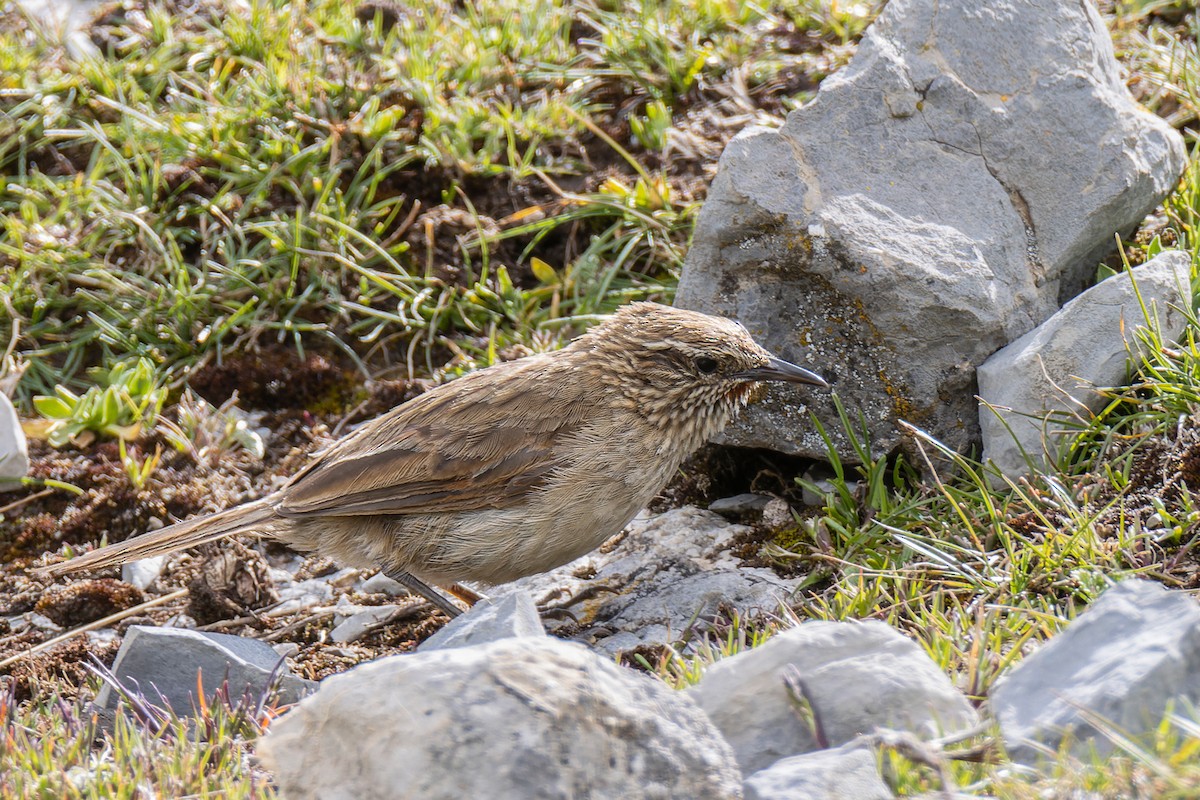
{"x": 666, "y": 575}
{"x": 941, "y": 196}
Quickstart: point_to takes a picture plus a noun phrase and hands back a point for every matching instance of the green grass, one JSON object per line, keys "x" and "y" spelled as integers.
{"x": 48, "y": 749}
{"x": 222, "y": 175}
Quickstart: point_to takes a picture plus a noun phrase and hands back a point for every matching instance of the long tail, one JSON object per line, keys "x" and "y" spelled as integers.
{"x": 188, "y": 533}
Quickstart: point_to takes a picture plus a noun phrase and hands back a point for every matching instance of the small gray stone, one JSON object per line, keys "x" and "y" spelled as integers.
{"x": 43, "y": 622}
{"x": 286, "y": 649}
{"x": 144, "y": 572}
{"x": 739, "y": 504}
{"x": 517, "y": 719}
{"x": 382, "y": 584}
{"x": 295, "y": 596}
{"x": 858, "y": 676}
{"x": 14, "y": 453}
{"x": 490, "y": 620}
{"x": 1123, "y": 660}
{"x": 1051, "y": 371}
{"x": 777, "y": 513}
{"x": 358, "y": 625}
{"x": 843, "y": 773}
{"x": 161, "y": 664}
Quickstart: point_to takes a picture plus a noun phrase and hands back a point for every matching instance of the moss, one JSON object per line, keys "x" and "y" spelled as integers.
{"x": 87, "y": 601}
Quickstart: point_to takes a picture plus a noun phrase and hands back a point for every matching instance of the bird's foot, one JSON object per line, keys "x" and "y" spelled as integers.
{"x": 465, "y": 593}
{"x": 559, "y": 609}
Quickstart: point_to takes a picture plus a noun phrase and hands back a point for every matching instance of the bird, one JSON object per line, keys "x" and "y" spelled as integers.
{"x": 508, "y": 471}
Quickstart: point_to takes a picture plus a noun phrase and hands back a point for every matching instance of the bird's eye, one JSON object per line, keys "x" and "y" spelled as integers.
{"x": 706, "y": 365}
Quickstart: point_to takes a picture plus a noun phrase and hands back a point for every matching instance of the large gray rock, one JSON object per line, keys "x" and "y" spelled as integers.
{"x": 14, "y": 453}
{"x": 1050, "y": 372}
{"x": 522, "y": 719}
{"x": 843, "y": 773}
{"x": 162, "y": 663}
{"x": 490, "y": 620}
{"x": 664, "y": 576}
{"x": 940, "y": 196}
{"x": 857, "y": 676}
{"x": 1123, "y": 660}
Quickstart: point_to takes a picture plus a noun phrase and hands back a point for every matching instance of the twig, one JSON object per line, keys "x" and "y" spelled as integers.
{"x": 319, "y": 614}
{"x": 27, "y": 499}
{"x": 228, "y": 623}
{"x": 91, "y": 626}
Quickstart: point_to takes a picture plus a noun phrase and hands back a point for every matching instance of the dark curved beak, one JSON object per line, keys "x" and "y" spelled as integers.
{"x": 779, "y": 370}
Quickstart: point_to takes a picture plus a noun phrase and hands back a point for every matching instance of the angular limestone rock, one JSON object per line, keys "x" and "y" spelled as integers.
{"x": 1053, "y": 369}
{"x": 162, "y": 664}
{"x": 857, "y": 676}
{"x": 523, "y": 718}
{"x": 490, "y": 620}
{"x": 1120, "y": 663}
{"x": 843, "y": 773}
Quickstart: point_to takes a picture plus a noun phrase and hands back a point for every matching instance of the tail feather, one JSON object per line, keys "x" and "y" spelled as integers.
{"x": 179, "y": 536}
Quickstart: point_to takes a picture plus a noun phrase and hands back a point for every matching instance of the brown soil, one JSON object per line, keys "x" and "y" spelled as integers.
{"x": 229, "y": 585}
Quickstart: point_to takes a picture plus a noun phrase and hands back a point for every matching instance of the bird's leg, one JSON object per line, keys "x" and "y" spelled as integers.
{"x": 415, "y": 584}
{"x": 465, "y": 593}
{"x": 559, "y": 610}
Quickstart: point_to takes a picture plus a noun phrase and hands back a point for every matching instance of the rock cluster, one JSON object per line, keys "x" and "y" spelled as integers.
{"x": 517, "y": 718}
{"x": 940, "y": 197}
{"x": 493, "y": 707}
{"x": 517, "y": 714}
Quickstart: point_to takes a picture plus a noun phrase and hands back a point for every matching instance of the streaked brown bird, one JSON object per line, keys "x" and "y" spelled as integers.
{"x": 509, "y": 471}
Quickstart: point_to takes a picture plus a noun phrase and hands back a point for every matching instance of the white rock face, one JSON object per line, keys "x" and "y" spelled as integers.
{"x": 668, "y": 573}
{"x": 490, "y": 620}
{"x": 843, "y": 773}
{"x": 1123, "y": 660}
{"x": 942, "y": 195}
{"x": 14, "y": 454}
{"x": 1087, "y": 343}
{"x": 521, "y": 719}
{"x": 857, "y": 675}
{"x": 144, "y": 572}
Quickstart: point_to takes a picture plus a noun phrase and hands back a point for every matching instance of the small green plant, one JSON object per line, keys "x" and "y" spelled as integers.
{"x": 125, "y": 399}
{"x": 651, "y": 129}
{"x": 139, "y": 472}
{"x": 207, "y": 432}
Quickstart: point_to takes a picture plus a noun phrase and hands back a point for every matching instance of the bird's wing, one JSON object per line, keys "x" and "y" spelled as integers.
{"x": 483, "y": 441}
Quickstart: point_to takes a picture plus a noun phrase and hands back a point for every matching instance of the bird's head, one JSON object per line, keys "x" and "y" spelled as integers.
{"x": 685, "y": 368}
